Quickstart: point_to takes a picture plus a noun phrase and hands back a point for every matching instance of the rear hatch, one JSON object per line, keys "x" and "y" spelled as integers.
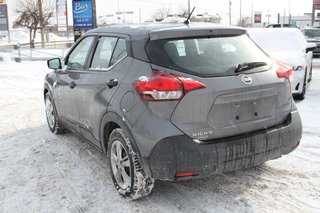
{"x": 244, "y": 91}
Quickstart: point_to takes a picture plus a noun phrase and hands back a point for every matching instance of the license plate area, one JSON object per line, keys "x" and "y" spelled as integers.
{"x": 246, "y": 152}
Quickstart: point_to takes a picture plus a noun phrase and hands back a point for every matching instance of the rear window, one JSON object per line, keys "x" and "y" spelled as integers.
{"x": 312, "y": 33}
{"x": 206, "y": 57}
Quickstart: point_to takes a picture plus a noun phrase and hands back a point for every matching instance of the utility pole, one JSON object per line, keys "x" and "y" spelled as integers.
{"x": 313, "y": 14}
{"x": 41, "y": 23}
{"x": 118, "y": 12}
{"x": 230, "y": 12}
{"x": 289, "y": 13}
{"x": 252, "y": 20}
{"x": 268, "y": 15}
{"x": 240, "y": 12}
{"x": 188, "y": 7}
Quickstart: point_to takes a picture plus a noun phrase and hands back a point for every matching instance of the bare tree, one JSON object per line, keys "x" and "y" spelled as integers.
{"x": 29, "y": 16}
{"x": 161, "y": 13}
{"x": 244, "y": 21}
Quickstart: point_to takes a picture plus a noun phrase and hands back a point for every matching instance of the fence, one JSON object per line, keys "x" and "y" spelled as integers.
{"x": 19, "y": 53}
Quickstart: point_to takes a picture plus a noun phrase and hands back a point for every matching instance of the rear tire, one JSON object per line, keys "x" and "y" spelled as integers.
{"x": 125, "y": 167}
{"x": 301, "y": 96}
{"x": 52, "y": 118}
{"x": 310, "y": 75}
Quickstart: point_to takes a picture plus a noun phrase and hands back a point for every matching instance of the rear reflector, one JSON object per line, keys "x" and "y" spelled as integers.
{"x": 284, "y": 71}
{"x": 184, "y": 174}
{"x": 293, "y": 146}
{"x": 165, "y": 87}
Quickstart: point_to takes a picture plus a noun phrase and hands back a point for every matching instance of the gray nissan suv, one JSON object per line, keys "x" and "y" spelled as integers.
{"x": 173, "y": 102}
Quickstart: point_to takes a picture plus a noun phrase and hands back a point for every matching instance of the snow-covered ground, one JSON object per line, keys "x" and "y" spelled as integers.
{"x": 42, "y": 172}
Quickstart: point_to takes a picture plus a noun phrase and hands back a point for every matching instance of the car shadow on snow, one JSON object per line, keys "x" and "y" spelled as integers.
{"x": 65, "y": 172}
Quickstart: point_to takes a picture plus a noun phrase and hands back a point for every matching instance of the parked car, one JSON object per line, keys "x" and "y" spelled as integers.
{"x": 173, "y": 102}
{"x": 313, "y": 35}
{"x": 288, "y": 45}
{"x": 278, "y": 25}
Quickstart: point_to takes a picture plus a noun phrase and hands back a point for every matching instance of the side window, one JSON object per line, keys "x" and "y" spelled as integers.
{"x": 119, "y": 52}
{"x": 102, "y": 55}
{"x": 179, "y": 44}
{"x": 77, "y": 59}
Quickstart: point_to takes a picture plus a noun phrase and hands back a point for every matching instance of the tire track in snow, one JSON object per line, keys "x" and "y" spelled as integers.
{"x": 176, "y": 196}
{"x": 60, "y": 179}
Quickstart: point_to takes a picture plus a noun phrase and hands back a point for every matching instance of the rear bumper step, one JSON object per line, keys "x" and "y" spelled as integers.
{"x": 180, "y": 154}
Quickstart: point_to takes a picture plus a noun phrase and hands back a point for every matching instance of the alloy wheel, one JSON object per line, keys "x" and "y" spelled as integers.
{"x": 50, "y": 113}
{"x": 120, "y": 164}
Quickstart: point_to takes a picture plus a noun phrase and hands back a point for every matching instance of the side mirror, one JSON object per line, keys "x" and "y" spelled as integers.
{"x": 54, "y": 63}
{"x": 311, "y": 46}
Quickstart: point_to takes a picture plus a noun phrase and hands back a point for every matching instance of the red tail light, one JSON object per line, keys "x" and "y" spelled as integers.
{"x": 284, "y": 71}
{"x": 184, "y": 174}
{"x": 164, "y": 86}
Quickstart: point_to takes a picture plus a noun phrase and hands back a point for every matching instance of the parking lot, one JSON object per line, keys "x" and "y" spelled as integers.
{"x": 42, "y": 172}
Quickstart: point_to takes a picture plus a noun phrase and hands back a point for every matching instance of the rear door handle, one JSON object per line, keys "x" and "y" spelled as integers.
{"x": 112, "y": 83}
{"x": 72, "y": 85}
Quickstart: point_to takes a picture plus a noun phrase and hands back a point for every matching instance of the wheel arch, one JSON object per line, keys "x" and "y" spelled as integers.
{"x": 46, "y": 89}
{"x": 109, "y": 122}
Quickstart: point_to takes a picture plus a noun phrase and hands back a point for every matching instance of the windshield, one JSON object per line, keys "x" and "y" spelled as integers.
{"x": 206, "y": 57}
{"x": 312, "y": 33}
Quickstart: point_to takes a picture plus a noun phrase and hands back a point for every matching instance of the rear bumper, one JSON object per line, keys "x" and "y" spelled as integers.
{"x": 180, "y": 154}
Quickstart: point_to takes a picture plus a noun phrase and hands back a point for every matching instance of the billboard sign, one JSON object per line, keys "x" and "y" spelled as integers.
{"x": 62, "y": 15}
{"x": 257, "y": 17}
{"x": 316, "y": 4}
{"x": 3, "y": 17}
{"x": 82, "y": 14}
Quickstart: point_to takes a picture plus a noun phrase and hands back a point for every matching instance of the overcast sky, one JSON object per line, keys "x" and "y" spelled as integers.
{"x": 148, "y": 7}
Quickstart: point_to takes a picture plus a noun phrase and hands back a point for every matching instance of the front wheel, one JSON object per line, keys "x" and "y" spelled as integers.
{"x": 54, "y": 125}
{"x": 125, "y": 167}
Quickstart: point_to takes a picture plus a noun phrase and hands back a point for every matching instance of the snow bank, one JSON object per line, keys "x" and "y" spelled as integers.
{"x": 5, "y": 58}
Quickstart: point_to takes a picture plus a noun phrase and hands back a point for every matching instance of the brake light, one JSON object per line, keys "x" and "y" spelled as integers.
{"x": 184, "y": 174}
{"x": 164, "y": 86}
{"x": 284, "y": 71}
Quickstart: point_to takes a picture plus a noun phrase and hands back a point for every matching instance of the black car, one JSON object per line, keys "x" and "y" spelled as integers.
{"x": 312, "y": 34}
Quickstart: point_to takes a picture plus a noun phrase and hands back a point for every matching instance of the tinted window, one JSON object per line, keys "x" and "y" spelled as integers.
{"x": 102, "y": 55}
{"x": 77, "y": 59}
{"x": 312, "y": 33}
{"x": 205, "y": 56}
{"x": 119, "y": 52}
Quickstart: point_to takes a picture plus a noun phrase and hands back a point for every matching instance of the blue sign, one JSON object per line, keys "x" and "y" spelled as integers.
{"x": 82, "y": 14}
{"x": 3, "y": 17}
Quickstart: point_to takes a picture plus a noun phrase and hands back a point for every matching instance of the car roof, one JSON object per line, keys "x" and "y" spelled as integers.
{"x": 165, "y": 30}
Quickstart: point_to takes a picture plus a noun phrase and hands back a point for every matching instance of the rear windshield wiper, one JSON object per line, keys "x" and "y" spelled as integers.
{"x": 248, "y": 66}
